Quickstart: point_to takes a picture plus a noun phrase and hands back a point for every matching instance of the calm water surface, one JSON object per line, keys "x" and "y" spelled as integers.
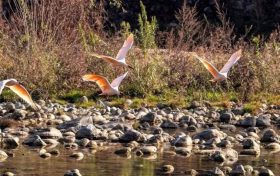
{"x": 28, "y": 163}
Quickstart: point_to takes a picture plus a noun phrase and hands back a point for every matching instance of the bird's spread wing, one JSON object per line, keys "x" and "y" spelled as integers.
{"x": 126, "y": 46}
{"x": 101, "y": 81}
{"x": 20, "y": 91}
{"x": 116, "y": 82}
{"x": 108, "y": 59}
{"x": 214, "y": 72}
{"x": 232, "y": 60}
{"x": 2, "y": 85}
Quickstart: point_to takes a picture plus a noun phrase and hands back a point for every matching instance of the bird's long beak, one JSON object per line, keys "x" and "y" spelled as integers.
{"x": 130, "y": 67}
{"x": 120, "y": 94}
{"x": 194, "y": 54}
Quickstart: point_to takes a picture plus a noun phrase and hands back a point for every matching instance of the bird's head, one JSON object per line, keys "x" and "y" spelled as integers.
{"x": 130, "y": 67}
{"x": 120, "y": 93}
{"x": 102, "y": 94}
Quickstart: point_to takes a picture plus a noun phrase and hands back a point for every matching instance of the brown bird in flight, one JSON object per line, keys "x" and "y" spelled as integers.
{"x": 19, "y": 90}
{"x": 104, "y": 85}
{"x": 223, "y": 73}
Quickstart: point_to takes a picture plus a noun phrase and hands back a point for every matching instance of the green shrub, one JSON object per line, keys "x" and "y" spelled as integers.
{"x": 147, "y": 30}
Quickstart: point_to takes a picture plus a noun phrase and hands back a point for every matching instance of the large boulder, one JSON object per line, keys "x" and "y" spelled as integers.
{"x": 270, "y": 135}
{"x": 225, "y": 156}
{"x": 209, "y": 134}
{"x": 152, "y": 118}
{"x": 250, "y": 143}
{"x": 132, "y": 135}
{"x": 35, "y": 141}
{"x": 263, "y": 120}
{"x": 250, "y": 121}
{"x": 182, "y": 141}
{"x": 226, "y": 117}
{"x": 49, "y": 133}
{"x": 89, "y": 132}
{"x": 238, "y": 170}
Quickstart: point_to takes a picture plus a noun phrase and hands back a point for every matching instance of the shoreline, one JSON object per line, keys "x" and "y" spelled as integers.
{"x": 143, "y": 132}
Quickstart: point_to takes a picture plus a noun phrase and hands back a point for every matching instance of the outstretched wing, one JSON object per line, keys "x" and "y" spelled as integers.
{"x": 214, "y": 72}
{"x": 108, "y": 59}
{"x": 126, "y": 46}
{"x": 116, "y": 82}
{"x": 232, "y": 60}
{"x": 101, "y": 81}
{"x": 20, "y": 91}
{"x": 2, "y": 85}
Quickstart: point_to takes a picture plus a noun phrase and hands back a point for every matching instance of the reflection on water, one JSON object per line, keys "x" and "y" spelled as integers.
{"x": 27, "y": 162}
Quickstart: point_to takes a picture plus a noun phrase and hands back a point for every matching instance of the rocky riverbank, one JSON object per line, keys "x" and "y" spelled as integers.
{"x": 222, "y": 135}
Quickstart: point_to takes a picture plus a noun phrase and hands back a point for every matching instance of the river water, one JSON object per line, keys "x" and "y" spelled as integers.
{"x": 27, "y": 162}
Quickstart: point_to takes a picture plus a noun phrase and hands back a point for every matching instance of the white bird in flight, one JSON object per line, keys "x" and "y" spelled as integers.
{"x": 104, "y": 85}
{"x": 120, "y": 58}
{"x": 223, "y": 73}
{"x": 19, "y": 90}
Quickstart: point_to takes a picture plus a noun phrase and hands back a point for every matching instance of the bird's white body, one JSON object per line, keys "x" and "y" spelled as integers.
{"x": 122, "y": 63}
{"x": 106, "y": 88}
{"x": 110, "y": 92}
{"x": 220, "y": 77}
{"x": 223, "y": 73}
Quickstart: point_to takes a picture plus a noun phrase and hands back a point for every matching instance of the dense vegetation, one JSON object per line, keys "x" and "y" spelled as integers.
{"x": 46, "y": 46}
